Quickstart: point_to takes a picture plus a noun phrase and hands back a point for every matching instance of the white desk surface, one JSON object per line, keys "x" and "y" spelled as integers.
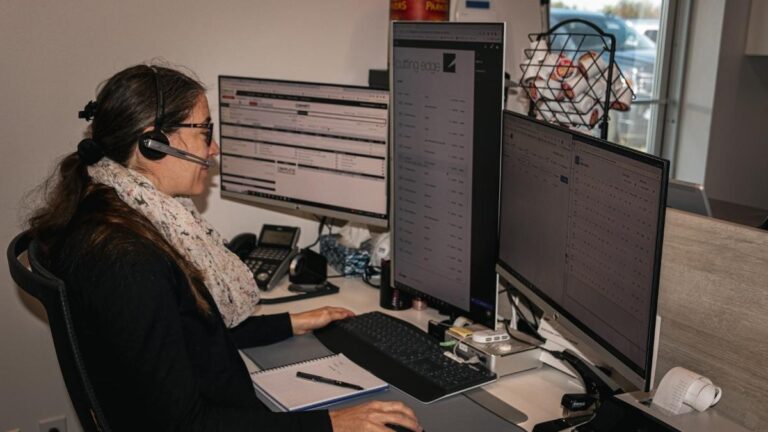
{"x": 535, "y": 392}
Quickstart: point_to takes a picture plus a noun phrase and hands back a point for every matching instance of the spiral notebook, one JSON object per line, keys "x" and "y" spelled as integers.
{"x": 291, "y": 393}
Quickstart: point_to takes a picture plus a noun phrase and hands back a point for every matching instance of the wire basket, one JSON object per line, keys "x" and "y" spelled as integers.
{"x": 567, "y": 76}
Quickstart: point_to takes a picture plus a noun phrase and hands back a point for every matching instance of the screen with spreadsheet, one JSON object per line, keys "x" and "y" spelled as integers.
{"x": 581, "y": 229}
{"x": 447, "y": 87}
{"x": 320, "y": 148}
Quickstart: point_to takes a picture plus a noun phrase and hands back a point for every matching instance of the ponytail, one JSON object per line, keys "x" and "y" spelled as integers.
{"x": 61, "y": 194}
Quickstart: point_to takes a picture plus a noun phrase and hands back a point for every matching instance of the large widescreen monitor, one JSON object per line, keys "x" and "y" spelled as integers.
{"x": 447, "y": 82}
{"x": 581, "y": 227}
{"x": 320, "y": 148}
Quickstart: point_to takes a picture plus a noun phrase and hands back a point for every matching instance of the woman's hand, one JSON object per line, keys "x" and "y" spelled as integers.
{"x": 373, "y": 416}
{"x": 305, "y": 322}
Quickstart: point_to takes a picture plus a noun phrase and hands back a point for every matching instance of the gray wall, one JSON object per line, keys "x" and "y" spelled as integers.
{"x": 697, "y": 98}
{"x": 737, "y": 161}
{"x": 721, "y": 139}
{"x": 53, "y": 55}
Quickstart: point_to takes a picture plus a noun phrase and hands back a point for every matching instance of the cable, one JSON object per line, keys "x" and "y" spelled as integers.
{"x": 530, "y": 308}
{"x": 520, "y": 312}
{"x": 453, "y": 355}
{"x": 369, "y": 273}
{"x": 532, "y": 328}
{"x": 519, "y": 339}
{"x": 319, "y": 233}
{"x": 327, "y": 288}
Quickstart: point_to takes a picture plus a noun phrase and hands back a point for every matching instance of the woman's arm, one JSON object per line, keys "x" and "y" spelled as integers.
{"x": 262, "y": 330}
{"x": 267, "y": 329}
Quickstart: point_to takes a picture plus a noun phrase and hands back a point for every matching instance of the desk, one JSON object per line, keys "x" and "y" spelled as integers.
{"x": 550, "y": 384}
{"x": 737, "y": 213}
{"x": 535, "y": 392}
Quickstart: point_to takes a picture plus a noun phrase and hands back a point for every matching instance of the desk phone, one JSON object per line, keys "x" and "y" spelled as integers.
{"x": 269, "y": 256}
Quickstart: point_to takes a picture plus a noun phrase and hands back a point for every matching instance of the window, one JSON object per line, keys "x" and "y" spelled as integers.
{"x": 635, "y": 24}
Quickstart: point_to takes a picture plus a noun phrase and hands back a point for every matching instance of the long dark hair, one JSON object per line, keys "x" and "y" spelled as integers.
{"x": 125, "y": 106}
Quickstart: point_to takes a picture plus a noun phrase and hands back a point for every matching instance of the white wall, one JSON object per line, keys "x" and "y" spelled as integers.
{"x": 53, "y": 55}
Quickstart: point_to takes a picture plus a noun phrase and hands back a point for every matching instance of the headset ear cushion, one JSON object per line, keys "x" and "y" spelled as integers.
{"x": 153, "y": 135}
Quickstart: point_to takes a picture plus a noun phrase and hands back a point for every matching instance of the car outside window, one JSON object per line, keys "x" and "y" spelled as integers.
{"x": 636, "y": 55}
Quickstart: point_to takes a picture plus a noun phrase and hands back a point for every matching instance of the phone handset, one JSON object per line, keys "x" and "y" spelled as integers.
{"x": 242, "y": 244}
{"x": 681, "y": 391}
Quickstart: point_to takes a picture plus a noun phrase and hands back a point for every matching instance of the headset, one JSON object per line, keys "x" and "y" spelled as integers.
{"x": 154, "y": 145}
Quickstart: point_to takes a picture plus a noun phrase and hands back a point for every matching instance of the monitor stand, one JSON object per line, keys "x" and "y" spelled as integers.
{"x": 503, "y": 358}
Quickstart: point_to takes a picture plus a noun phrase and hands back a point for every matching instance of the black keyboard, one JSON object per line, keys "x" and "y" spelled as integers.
{"x": 402, "y": 355}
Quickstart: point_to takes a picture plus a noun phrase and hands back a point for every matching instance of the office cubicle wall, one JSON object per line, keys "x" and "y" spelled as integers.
{"x": 713, "y": 301}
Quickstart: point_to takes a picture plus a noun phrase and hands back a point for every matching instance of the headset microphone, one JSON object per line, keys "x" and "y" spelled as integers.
{"x": 155, "y": 145}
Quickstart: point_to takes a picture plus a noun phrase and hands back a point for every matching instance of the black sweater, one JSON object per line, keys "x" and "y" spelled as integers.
{"x": 156, "y": 362}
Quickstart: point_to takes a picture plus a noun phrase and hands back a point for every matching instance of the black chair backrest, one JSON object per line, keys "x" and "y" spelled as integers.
{"x": 51, "y": 292}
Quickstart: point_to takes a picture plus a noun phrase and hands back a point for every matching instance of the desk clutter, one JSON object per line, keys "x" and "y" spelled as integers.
{"x": 348, "y": 261}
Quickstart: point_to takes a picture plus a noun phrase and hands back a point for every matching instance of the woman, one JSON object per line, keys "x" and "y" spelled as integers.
{"x": 160, "y": 307}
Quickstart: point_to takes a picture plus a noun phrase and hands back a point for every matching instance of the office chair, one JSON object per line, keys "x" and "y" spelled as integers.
{"x": 51, "y": 292}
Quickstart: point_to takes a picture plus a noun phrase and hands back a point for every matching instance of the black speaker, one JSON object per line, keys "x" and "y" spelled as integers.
{"x": 308, "y": 268}
{"x": 389, "y": 297}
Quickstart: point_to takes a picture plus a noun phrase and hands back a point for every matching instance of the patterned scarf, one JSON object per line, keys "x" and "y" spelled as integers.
{"x": 229, "y": 281}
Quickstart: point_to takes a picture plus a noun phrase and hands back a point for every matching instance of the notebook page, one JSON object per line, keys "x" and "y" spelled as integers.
{"x": 294, "y": 394}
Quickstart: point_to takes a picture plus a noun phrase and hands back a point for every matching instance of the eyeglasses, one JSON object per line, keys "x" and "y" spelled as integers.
{"x": 208, "y": 126}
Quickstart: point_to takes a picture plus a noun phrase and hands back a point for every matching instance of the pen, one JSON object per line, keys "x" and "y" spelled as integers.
{"x": 320, "y": 379}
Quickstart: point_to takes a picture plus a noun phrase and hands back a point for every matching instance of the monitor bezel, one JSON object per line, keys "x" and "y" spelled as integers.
{"x": 443, "y": 306}
{"x": 638, "y": 375}
{"x": 334, "y": 212}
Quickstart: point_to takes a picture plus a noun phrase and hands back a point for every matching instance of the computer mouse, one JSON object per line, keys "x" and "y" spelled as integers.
{"x": 398, "y": 428}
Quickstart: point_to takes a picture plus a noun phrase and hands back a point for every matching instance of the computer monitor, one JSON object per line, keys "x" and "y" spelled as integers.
{"x": 447, "y": 81}
{"x": 580, "y": 235}
{"x": 320, "y": 148}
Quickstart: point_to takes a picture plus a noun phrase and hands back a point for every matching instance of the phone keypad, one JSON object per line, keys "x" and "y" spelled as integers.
{"x": 264, "y": 262}
{"x": 270, "y": 253}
